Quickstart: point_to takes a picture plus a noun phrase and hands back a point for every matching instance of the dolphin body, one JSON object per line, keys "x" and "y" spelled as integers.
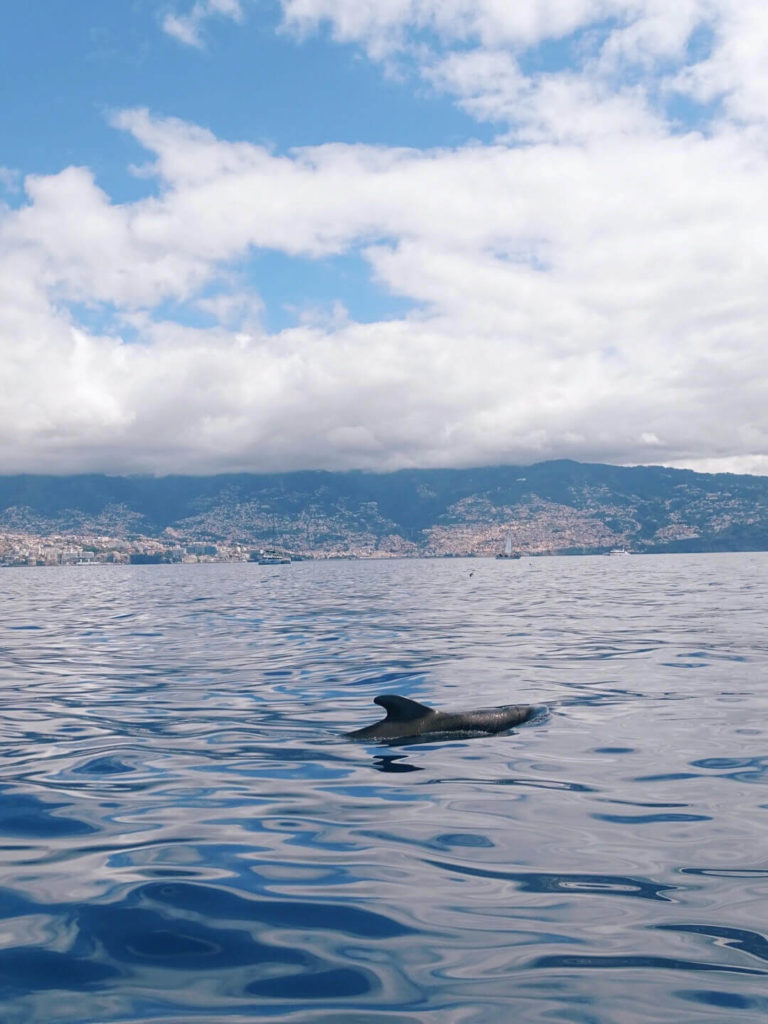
{"x": 408, "y": 721}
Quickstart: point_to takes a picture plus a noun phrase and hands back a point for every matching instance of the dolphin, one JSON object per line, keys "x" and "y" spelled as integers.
{"x": 408, "y": 721}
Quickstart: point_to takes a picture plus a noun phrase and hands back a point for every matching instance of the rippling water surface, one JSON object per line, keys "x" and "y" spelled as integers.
{"x": 186, "y": 835}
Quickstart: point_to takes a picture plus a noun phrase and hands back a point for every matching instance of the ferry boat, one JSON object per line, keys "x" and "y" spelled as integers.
{"x": 271, "y": 557}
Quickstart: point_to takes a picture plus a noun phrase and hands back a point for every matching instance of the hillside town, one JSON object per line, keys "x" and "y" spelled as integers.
{"x": 545, "y": 509}
{"x": 544, "y": 529}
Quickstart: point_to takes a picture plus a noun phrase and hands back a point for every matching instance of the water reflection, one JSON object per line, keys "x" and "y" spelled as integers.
{"x": 394, "y": 763}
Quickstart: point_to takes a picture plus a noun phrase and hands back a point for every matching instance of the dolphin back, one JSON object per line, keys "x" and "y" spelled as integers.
{"x": 407, "y": 720}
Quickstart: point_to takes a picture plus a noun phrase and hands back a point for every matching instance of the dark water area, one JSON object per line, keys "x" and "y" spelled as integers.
{"x": 186, "y": 835}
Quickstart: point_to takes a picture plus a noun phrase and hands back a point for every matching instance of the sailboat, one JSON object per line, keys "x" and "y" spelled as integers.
{"x": 508, "y": 552}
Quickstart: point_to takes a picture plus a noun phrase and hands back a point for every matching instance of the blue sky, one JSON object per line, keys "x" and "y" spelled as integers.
{"x": 256, "y": 235}
{"x": 65, "y": 66}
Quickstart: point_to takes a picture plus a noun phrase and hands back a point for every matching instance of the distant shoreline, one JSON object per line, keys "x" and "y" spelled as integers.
{"x": 550, "y": 508}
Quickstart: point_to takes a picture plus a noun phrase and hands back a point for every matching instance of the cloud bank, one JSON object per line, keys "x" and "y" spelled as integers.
{"x": 590, "y": 285}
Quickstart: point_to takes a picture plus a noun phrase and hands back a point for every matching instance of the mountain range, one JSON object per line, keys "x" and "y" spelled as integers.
{"x": 550, "y": 507}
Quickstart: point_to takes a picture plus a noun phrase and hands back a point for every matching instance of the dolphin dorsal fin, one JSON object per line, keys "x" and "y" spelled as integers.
{"x": 401, "y": 709}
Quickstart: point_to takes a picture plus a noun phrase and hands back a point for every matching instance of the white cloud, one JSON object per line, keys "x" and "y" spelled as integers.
{"x": 601, "y": 299}
{"x": 187, "y": 28}
{"x": 381, "y": 24}
{"x": 555, "y": 108}
{"x": 756, "y": 465}
{"x": 592, "y": 285}
{"x": 736, "y": 70}
{"x": 619, "y": 59}
{"x": 86, "y": 249}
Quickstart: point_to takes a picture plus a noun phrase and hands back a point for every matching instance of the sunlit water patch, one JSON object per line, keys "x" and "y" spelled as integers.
{"x": 187, "y": 835}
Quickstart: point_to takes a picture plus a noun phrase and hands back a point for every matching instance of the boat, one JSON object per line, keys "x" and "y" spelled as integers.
{"x": 508, "y": 552}
{"x": 270, "y": 557}
{"x": 617, "y": 551}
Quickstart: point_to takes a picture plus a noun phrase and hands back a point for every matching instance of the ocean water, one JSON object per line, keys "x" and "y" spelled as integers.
{"x": 186, "y": 835}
